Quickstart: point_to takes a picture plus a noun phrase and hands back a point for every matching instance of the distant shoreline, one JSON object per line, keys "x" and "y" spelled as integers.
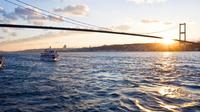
{"x": 147, "y": 47}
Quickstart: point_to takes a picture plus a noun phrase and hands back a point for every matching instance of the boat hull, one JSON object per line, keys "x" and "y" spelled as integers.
{"x": 49, "y": 59}
{"x": 49, "y": 55}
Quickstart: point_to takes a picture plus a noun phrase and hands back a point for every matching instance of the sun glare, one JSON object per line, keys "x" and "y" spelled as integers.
{"x": 167, "y": 41}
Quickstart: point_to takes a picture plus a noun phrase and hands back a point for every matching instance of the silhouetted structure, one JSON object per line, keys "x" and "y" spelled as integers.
{"x": 65, "y": 46}
{"x": 182, "y": 31}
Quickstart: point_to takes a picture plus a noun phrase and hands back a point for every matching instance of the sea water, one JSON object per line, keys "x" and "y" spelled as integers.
{"x": 101, "y": 81}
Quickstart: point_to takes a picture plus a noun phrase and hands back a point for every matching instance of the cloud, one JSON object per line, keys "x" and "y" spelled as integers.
{"x": 147, "y": 21}
{"x": 77, "y": 10}
{"x": 168, "y": 23}
{"x": 34, "y": 16}
{"x": 38, "y": 20}
{"x": 5, "y": 30}
{"x": 24, "y": 12}
{"x": 29, "y": 14}
{"x": 122, "y": 27}
{"x": 55, "y": 19}
{"x": 6, "y": 17}
{"x": 44, "y": 36}
{"x": 43, "y": 40}
{"x": 151, "y": 21}
{"x": 147, "y": 1}
{"x": 1, "y": 37}
{"x": 1, "y": 19}
{"x": 10, "y": 32}
{"x": 1, "y": 9}
{"x": 10, "y": 16}
{"x": 14, "y": 34}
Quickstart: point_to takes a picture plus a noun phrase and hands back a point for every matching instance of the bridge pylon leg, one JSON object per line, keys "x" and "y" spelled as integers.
{"x": 182, "y": 34}
{"x": 182, "y": 31}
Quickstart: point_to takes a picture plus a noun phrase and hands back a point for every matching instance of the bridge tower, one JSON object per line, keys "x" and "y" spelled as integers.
{"x": 182, "y": 31}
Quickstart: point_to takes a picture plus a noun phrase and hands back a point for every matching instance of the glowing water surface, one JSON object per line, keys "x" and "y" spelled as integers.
{"x": 102, "y": 81}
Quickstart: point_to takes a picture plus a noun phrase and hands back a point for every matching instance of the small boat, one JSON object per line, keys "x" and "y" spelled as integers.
{"x": 49, "y": 55}
{"x": 1, "y": 62}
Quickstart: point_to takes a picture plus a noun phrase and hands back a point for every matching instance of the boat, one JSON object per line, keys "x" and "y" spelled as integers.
{"x": 49, "y": 55}
{"x": 1, "y": 62}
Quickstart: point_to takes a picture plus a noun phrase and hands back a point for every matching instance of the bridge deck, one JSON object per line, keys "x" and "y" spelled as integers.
{"x": 88, "y": 30}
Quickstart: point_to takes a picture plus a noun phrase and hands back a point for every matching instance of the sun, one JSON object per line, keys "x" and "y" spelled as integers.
{"x": 167, "y": 41}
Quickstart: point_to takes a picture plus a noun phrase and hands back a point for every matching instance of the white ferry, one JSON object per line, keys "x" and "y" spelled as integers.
{"x": 49, "y": 55}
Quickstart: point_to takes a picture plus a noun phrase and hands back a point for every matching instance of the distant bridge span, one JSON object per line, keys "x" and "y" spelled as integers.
{"x": 87, "y": 30}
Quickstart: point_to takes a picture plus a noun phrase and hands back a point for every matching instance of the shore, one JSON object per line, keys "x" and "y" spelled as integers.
{"x": 128, "y": 48}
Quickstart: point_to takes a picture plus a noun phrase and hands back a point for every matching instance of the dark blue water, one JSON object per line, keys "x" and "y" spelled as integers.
{"x": 114, "y": 82}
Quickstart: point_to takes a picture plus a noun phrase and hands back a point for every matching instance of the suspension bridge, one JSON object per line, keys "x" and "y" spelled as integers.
{"x": 181, "y": 33}
{"x": 86, "y": 26}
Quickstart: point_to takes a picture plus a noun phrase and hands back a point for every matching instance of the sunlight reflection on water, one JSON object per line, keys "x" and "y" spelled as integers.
{"x": 139, "y": 81}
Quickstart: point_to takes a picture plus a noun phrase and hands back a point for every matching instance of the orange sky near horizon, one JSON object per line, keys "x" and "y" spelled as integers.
{"x": 154, "y": 17}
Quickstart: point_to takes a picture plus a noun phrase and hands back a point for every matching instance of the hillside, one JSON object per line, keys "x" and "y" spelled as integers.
{"x": 128, "y": 48}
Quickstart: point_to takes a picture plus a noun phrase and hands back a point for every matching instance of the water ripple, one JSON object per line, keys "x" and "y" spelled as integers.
{"x": 114, "y": 82}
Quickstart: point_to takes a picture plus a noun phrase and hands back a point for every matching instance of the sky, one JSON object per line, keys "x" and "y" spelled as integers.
{"x": 154, "y": 17}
